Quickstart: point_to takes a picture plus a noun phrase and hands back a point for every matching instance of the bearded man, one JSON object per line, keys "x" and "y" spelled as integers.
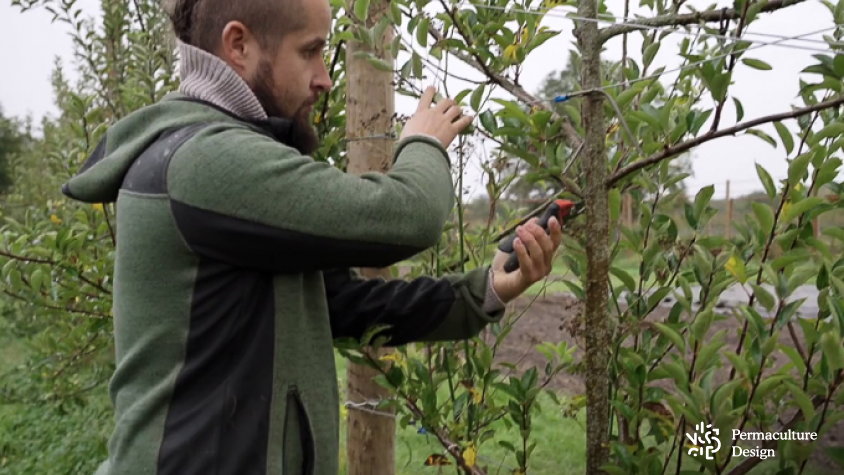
{"x": 234, "y": 248}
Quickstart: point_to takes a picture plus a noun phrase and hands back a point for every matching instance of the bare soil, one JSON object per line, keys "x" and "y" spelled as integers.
{"x": 555, "y": 318}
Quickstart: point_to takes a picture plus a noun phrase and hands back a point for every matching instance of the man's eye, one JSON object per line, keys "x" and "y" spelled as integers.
{"x": 311, "y": 52}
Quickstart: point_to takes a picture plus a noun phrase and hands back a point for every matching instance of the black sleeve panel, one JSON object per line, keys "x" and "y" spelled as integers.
{"x": 412, "y": 309}
{"x": 248, "y": 244}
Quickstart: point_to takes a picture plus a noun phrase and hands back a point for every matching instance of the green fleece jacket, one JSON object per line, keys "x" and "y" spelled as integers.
{"x": 232, "y": 279}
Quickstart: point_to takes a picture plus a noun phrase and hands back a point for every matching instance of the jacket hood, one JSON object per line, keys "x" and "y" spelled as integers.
{"x": 101, "y": 176}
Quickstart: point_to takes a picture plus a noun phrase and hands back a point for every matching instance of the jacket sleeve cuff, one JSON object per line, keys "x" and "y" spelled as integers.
{"x": 423, "y": 138}
{"x": 492, "y": 302}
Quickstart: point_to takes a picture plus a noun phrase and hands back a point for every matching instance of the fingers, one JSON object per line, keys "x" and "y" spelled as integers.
{"x": 538, "y": 248}
{"x": 556, "y": 229}
{"x": 427, "y": 99}
{"x": 453, "y": 112}
{"x": 463, "y": 122}
{"x": 443, "y": 105}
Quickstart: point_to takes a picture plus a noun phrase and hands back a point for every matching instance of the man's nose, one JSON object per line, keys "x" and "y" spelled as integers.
{"x": 322, "y": 81}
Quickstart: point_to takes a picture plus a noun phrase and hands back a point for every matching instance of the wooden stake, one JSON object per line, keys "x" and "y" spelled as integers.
{"x": 370, "y": 440}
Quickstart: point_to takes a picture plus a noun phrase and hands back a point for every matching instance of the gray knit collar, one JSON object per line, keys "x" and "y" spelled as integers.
{"x": 209, "y": 78}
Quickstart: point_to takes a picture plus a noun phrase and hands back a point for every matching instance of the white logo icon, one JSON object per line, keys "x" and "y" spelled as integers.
{"x": 704, "y": 441}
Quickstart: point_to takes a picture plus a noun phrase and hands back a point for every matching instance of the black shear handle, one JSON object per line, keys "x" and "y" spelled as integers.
{"x": 559, "y": 208}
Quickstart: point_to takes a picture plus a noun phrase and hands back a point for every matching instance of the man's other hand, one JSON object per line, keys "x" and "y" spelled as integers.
{"x": 535, "y": 250}
{"x": 443, "y": 120}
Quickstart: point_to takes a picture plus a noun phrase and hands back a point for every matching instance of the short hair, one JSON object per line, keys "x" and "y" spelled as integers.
{"x": 201, "y": 22}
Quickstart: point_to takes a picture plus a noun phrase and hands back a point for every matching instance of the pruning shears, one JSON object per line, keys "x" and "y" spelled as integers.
{"x": 562, "y": 209}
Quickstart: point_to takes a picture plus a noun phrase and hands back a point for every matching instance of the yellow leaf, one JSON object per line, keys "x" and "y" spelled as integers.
{"x": 395, "y": 357}
{"x": 469, "y": 455}
{"x": 511, "y": 51}
{"x": 613, "y": 128}
{"x": 735, "y": 266}
{"x": 55, "y": 219}
{"x": 785, "y": 208}
{"x": 476, "y": 395}
{"x": 97, "y": 207}
{"x": 344, "y": 411}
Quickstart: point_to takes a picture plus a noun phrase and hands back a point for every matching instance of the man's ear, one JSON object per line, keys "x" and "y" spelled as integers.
{"x": 239, "y": 48}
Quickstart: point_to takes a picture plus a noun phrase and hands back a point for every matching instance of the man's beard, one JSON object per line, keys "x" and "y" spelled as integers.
{"x": 302, "y": 135}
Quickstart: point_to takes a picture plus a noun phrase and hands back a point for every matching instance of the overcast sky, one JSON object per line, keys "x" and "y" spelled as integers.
{"x": 31, "y": 44}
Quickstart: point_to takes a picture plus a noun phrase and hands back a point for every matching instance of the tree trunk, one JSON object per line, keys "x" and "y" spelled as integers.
{"x": 370, "y": 106}
{"x": 598, "y": 339}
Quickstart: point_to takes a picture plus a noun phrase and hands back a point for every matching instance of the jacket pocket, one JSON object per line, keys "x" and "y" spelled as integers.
{"x": 299, "y": 454}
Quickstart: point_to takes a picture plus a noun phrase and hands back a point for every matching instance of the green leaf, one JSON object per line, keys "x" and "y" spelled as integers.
{"x": 764, "y": 214}
{"x": 614, "y": 204}
{"x": 739, "y": 109}
{"x": 833, "y": 350}
{"x": 797, "y": 168}
{"x": 36, "y": 280}
{"x": 757, "y": 64}
{"x": 702, "y": 199}
{"x": 827, "y": 172}
{"x": 763, "y": 136}
{"x": 649, "y": 53}
{"x": 512, "y": 109}
{"x": 785, "y": 136}
{"x": 802, "y": 400}
{"x": 738, "y": 363}
{"x": 800, "y": 207}
{"x": 767, "y": 181}
{"x": 768, "y": 384}
{"x": 833, "y": 130}
{"x": 671, "y": 334}
{"x": 361, "y": 9}
{"x": 624, "y": 277}
{"x": 422, "y": 32}
{"x": 764, "y": 297}
{"x": 477, "y": 97}
{"x": 649, "y": 119}
{"x": 822, "y": 281}
{"x": 488, "y": 121}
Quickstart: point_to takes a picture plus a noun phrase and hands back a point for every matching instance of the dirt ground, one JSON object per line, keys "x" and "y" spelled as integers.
{"x": 556, "y": 318}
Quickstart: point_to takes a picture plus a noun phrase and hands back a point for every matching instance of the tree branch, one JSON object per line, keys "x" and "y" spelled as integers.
{"x": 69, "y": 309}
{"x": 31, "y": 260}
{"x": 572, "y": 137}
{"x": 688, "y": 19}
{"x": 669, "y": 152}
